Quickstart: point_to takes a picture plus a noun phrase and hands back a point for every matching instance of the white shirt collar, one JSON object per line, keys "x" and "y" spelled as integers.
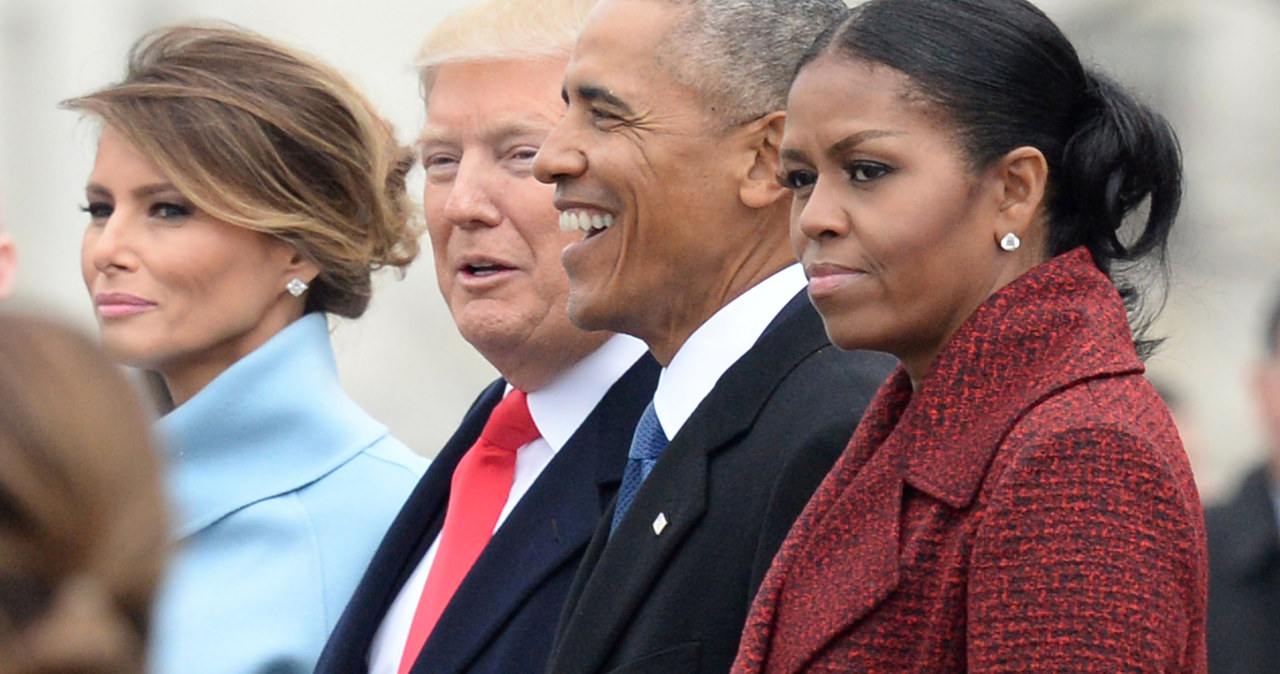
{"x": 560, "y": 407}
{"x": 717, "y": 344}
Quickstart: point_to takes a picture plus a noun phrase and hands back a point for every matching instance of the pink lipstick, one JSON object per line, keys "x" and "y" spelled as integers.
{"x": 120, "y": 305}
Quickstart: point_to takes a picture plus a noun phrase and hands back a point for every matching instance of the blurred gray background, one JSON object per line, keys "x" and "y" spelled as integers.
{"x": 1212, "y": 67}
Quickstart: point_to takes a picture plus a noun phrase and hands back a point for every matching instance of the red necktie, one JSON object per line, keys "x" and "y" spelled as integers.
{"x": 481, "y": 485}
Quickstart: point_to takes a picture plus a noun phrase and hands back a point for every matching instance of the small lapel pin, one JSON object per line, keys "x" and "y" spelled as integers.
{"x": 659, "y": 523}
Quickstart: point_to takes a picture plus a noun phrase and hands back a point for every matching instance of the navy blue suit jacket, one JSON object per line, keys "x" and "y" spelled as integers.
{"x": 503, "y": 616}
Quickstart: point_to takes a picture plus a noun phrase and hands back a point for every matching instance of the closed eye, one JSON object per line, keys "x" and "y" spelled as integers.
{"x": 599, "y": 116}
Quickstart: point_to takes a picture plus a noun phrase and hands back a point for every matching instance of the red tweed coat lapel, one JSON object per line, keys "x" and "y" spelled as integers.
{"x": 856, "y": 507}
{"x": 1057, "y": 326}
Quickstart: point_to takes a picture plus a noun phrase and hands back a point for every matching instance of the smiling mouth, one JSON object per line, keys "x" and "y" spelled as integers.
{"x": 584, "y": 221}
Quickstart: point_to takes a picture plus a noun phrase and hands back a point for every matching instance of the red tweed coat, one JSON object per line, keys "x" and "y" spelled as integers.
{"x": 1029, "y": 509}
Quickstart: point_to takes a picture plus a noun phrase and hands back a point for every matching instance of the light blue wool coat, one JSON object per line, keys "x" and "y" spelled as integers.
{"x": 282, "y": 487}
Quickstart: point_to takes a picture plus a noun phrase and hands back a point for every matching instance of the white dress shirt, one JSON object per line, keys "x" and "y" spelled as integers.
{"x": 717, "y": 344}
{"x": 558, "y": 409}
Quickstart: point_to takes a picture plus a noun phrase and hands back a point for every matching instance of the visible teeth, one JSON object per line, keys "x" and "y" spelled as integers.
{"x": 484, "y": 269}
{"x": 584, "y": 222}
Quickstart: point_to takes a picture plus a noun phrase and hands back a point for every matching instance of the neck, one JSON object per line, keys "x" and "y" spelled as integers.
{"x": 530, "y": 369}
{"x": 696, "y": 307}
{"x": 187, "y": 375}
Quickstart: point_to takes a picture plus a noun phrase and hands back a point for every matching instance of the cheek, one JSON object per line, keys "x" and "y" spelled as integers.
{"x": 797, "y": 237}
{"x": 550, "y": 248}
{"x": 87, "y": 269}
{"x": 434, "y": 198}
{"x": 237, "y": 279}
{"x": 438, "y": 235}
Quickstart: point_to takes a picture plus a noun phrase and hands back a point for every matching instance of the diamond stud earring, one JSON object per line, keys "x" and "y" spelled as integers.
{"x": 1010, "y": 242}
{"x": 297, "y": 286}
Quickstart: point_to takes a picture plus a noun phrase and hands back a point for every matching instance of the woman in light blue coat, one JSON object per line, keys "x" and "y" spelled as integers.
{"x": 241, "y": 193}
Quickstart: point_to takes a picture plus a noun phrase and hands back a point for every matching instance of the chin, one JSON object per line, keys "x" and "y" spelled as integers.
{"x": 135, "y": 358}
{"x": 590, "y": 316}
{"x": 849, "y": 340}
{"x": 124, "y": 351}
{"x": 494, "y": 335}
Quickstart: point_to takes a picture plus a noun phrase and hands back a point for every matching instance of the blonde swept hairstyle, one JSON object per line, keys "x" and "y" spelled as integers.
{"x": 83, "y": 523}
{"x": 501, "y": 30}
{"x": 272, "y": 140}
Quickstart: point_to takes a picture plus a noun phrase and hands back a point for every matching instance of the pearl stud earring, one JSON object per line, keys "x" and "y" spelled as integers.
{"x": 297, "y": 286}
{"x": 1010, "y": 242}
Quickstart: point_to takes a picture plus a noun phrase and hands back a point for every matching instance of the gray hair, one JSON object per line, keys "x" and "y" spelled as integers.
{"x": 741, "y": 55}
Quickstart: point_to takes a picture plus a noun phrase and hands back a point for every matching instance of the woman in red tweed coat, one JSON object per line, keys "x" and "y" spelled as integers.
{"x": 1016, "y": 498}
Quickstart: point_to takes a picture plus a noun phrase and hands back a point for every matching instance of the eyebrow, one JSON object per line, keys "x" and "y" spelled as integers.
{"x": 138, "y": 193}
{"x": 440, "y": 135}
{"x": 852, "y": 141}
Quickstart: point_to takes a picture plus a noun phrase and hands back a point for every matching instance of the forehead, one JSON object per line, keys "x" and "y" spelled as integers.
{"x": 479, "y": 95}
{"x": 619, "y": 43}
{"x": 836, "y": 91}
{"x": 118, "y": 159}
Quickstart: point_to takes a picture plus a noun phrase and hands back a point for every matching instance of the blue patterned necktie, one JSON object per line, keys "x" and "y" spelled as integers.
{"x": 646, "y": 446}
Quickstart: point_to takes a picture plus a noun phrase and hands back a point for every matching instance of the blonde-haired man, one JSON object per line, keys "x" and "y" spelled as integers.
{"x": 474, "y": 572}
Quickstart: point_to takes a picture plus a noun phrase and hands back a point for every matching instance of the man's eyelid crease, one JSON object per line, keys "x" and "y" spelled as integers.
{"x": 599, "y": 95}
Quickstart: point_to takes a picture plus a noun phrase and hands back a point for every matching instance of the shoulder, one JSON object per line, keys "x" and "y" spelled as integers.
{"x": 1101, "y": 448}
{"x": 385, "y": 471}
{"x": 395, "y": 457}
{"x": 1119, "y": 412}
{"x": 828, "y": 388}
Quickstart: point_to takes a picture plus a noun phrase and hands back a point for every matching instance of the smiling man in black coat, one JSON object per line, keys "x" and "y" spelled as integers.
{"x": 666, "y": 165}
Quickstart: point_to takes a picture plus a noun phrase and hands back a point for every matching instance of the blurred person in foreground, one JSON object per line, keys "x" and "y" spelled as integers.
{"x": 241, "y": 193}
{"x": 665, "y": 166}
{"x": 83, "y": 529}
{"x": 1244, "y": 542}
{"x": 8, "y": 262}
{"x": 474, "y": 572}
{"x": 1016, "y": 497}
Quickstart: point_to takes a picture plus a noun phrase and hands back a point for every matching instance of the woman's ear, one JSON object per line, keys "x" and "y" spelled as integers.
{"x": 1021, "y": 177}
{"x": 299, "y": 266}
{"x": 760, "y": 186}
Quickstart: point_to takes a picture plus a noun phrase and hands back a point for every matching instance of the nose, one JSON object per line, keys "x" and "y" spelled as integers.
{"x": 820, "y": 215}
{"x": 109, "y": 245}
{"x": 469, "y": 203}
{"x": 560, "y": 156}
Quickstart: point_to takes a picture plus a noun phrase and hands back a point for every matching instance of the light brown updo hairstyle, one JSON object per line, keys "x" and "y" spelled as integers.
{"x": 272, "y": 140}
{"x": 83, "y": 529}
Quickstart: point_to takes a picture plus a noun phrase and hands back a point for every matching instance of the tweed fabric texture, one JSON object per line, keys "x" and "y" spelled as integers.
{"x": 1028, "y": 508}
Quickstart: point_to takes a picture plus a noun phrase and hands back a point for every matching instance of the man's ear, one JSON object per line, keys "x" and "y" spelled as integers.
{"x": 8, "y": 265}
{"x": 762, "y": 140}
{"x": 1020, "y": 179}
